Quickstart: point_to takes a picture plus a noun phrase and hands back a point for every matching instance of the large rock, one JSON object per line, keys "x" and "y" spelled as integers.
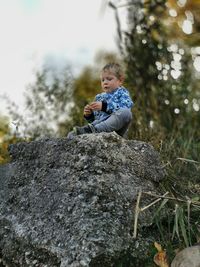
{"x": 71, "y": 202}
{"x": 188, "y": 257}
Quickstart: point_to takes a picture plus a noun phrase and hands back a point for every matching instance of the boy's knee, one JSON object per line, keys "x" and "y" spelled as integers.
{"x": 125, "y": 114}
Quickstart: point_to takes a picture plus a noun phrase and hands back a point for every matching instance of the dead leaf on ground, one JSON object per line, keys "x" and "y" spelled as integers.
{"x": 160, "y": 257}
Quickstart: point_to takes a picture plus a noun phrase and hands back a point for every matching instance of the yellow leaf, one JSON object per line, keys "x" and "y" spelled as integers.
{"x": 160, "y": 258}
{"x": 158, "y": 246}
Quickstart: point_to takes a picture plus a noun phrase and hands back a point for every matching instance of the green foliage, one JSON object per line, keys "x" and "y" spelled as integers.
{"x": 4, "y": 130}
{"x": 85, "y": 87}
{"x": 177, "y": 218}
{"x": 47, "y": 103}
{"x": 158, "y": 57}
{"x": 7, "y": 137}
{"x": 164, "y": 84}
{"x": 191, "y": 11}
{"x": 179, "y": 224}
{"x": 160, "y": 73}
{"x": 181, "y": 158}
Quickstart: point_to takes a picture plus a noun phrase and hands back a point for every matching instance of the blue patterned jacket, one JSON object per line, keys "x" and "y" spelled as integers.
{"x": 111, "y": 102}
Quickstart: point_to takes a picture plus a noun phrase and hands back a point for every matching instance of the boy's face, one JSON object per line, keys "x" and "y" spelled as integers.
{"x": 109, "y": 82}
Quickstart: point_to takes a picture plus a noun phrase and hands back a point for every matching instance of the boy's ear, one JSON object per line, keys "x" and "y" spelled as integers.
{"x": 121, "y": 79}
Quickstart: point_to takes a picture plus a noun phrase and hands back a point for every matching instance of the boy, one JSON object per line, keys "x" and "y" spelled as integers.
{"x": 111, "y": 110}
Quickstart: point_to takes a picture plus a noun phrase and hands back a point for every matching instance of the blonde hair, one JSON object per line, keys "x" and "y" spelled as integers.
{"x": 114, "y": 68}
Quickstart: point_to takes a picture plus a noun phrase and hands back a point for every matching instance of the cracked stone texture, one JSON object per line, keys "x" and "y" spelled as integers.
{"x": 70, "y": 203}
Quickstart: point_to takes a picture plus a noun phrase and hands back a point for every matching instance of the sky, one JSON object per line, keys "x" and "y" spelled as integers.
{"x": 62, "y": 31}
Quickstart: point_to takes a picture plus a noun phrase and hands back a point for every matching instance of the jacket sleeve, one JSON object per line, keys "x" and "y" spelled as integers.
{"x": 121, "y": 99}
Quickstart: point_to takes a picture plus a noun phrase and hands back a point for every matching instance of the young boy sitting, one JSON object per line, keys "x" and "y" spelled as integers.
{"x": 111, "y": 110}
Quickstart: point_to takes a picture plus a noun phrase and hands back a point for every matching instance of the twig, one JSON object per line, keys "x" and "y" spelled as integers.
{"x": 188, "y": 219}
{"x": 195, "y": 203}
{"x": 188, "y": 160}
{"x": 154, "y": 202}
{"x": 137, "y": 211}
{"x": 120, "y": 5}
{"x": 158, "y": 198}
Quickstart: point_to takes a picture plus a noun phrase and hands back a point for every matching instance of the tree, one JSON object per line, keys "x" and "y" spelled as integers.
{"x": 160, "y": 71}
{"x": 7, "y": 137}
{"x": 159, "y": 59}
{"x": 47, "y": 103}
{"x": 54, "y": 102}
{"x": 184, "y": 21}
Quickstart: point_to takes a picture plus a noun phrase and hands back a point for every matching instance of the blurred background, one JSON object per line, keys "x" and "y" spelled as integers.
{"x": 52, "y": 52}
{"x": 51, "y": 55}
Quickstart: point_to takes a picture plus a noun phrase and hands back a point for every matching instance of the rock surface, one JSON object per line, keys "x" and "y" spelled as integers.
{"x": 70, "y": 203}
{"x": 188, "y": 257}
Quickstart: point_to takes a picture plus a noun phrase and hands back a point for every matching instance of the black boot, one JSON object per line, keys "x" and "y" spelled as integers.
{"x": 88, "y": 129}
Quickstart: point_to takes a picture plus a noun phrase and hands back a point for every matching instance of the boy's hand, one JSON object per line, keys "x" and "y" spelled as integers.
{"x": 87, "y": 110}
{"x": 96, "y": 105}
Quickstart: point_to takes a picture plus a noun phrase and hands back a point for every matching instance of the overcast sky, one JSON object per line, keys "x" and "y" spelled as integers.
{"x": 65, "y": 31}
